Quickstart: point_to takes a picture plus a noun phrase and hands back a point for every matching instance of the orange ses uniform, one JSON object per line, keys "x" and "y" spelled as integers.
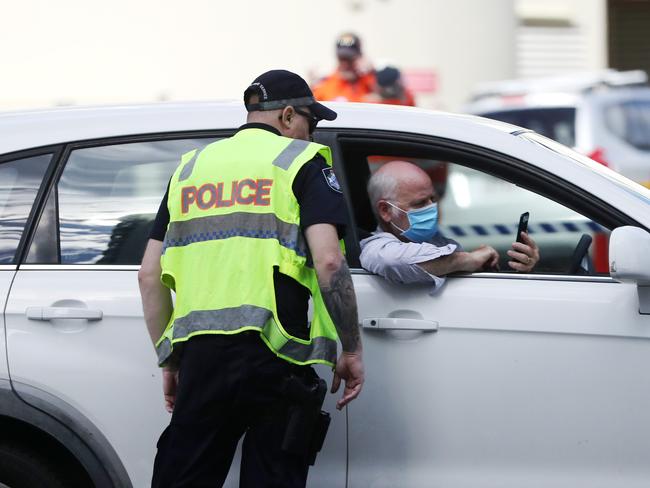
{"x": 336, "y": 88}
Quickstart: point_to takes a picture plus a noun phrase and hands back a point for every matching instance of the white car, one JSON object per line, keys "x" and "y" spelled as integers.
{"x": 499, "y": 379}
{"x": 609, "y": 123}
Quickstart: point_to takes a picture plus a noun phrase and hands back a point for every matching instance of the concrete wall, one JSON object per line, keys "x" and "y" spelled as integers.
{"x": 87, "y": 51}
{"x": 587, "y": 17}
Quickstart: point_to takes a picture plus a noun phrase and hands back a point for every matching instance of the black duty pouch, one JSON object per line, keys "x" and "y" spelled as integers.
{"x": 307, "y": 424}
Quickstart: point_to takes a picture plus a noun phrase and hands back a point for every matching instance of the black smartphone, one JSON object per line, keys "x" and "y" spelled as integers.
{"x": 523, "y": 225}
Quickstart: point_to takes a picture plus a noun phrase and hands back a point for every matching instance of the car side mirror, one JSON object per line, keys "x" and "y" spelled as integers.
{"x": 629, "y": 251}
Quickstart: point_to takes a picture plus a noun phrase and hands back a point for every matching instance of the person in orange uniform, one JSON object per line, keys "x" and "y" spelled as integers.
{"x": 352, "y": 81}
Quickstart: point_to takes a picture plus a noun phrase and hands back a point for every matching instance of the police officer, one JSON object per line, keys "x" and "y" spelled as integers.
{"x": 249, "y": 229}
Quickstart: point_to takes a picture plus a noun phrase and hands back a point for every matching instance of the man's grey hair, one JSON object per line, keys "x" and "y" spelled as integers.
{"x": 381, "y": 186}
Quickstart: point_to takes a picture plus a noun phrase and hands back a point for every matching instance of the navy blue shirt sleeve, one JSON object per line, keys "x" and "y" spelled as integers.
{"x": 162, "y": 219}
{"x": 320, "y": 201}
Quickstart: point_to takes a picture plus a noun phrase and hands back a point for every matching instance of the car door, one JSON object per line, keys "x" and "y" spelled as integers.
{"x": 21, "y": 177}
{"x": 75, "y": 331}
{"x": 497, "y": 379}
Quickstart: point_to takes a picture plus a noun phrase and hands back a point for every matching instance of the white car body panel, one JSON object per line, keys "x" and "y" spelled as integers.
{"x": 454, "y": 408}
{"x": 117, "y": 385}
{"x": 23, "y": 130}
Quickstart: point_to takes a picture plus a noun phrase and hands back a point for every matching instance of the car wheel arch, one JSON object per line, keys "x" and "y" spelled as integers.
{"x": 30, "y": 413}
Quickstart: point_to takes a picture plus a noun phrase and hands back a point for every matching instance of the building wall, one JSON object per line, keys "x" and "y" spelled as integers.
{"x": 560, "y": 36}
{"x": 86, "y": 51}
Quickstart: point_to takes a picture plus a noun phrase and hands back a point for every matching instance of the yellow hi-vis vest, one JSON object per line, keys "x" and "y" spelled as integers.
{"x": 233, "y": 217}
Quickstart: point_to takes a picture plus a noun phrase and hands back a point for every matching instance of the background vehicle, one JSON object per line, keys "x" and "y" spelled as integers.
{"x": 498, "y": 379}
{"x": 603, "y": 115}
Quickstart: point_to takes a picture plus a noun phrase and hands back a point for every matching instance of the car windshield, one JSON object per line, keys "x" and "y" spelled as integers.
{"x": 630, "y": 120}
{"x": 629, "y": 186}
{"x": 558, "y": 123}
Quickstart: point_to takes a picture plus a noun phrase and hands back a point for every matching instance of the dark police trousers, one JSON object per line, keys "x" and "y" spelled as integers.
{"x": 229, "y": 386}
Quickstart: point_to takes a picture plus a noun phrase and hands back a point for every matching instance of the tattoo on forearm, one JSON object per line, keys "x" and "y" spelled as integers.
{"x": 341, "y": 304}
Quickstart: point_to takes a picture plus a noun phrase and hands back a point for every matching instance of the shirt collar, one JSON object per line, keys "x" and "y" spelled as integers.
{"x": 259, "y": 125}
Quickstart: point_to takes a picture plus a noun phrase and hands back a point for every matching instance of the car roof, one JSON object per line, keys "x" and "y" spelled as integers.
{"x": 36, "y": 128}
{"x": 620, "y": 94}
{"x": 544, "y": 100}
{"x": 526, "y": 101}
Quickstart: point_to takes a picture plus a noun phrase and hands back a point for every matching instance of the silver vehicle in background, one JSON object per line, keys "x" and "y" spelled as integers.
{"x": 605, "y": 115}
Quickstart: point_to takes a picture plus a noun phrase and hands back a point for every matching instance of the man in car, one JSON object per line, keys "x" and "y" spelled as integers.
{"x": 240, "y": 221}
{"x": 407, "y": 247}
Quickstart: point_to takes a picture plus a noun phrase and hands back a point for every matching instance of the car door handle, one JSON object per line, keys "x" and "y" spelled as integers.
{"x": 50, "y": 313}
{"x": 387, "y": 323}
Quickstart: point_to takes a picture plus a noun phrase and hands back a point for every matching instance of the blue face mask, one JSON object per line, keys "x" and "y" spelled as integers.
{"x": 423, "y": 223}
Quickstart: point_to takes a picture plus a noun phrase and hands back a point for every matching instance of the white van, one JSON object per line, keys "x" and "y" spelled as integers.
{"x": 605, "y": 116}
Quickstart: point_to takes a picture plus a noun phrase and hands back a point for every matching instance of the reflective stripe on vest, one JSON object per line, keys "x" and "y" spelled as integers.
{"x": 238, "y": 224}
{"x": 247, "y": 317}
{"x": 291, "y": 152}
{"x": 186, "y": 172}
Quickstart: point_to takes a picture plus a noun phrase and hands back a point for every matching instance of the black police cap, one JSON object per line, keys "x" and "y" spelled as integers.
{"x": 280, "y": 88}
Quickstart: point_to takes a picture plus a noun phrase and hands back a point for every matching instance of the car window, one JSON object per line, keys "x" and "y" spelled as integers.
{"x": 630, "y": 121}
{"x": 476, "y": 208}
{"x": 555, "y": 123}
{"x": 106, "y": 200}
{"x": 20, "y": 181}
{"x": 482, "y": 209}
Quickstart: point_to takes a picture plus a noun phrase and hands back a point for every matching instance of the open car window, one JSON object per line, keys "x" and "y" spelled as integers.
{"x": 477, "y": 207}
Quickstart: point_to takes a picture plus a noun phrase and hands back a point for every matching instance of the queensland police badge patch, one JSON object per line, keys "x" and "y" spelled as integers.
{"x": 331, "y": 180}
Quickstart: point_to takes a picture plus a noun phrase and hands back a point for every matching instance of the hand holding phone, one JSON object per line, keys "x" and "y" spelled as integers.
{"x": 524, "y": 252}
{"x": 523, "y": 225}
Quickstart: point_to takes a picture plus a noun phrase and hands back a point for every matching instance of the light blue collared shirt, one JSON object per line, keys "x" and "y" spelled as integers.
{"x": 397, "y": 261}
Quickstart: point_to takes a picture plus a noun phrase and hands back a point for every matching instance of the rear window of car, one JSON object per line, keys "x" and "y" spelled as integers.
{"x": 20, "y": 181}
{"x": 557, "y": 123}
{"x": 630, "y": 121}
{"x": 103, "y": 206}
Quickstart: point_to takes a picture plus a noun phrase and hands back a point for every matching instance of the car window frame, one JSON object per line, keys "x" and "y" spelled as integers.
{"x": 491, "y": 162}
{"x": 57, "y": 166}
